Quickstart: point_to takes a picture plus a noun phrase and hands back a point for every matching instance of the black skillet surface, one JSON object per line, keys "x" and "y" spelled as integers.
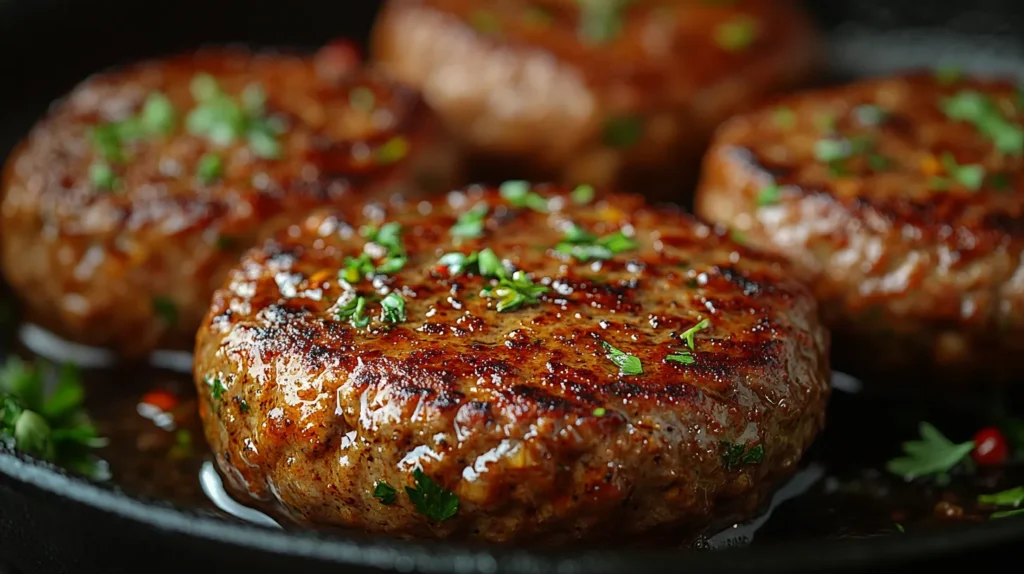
{"x": 51, "y": 522}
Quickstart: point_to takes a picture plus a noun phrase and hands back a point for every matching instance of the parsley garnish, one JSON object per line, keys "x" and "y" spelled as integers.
{"x": 388, "y": 236}
{"x": 582, "y": 245}
{"x": 979, "y": 110}
{"x": 689, "y": 333}
{"x": 166, "y": 310}
{"x": 431, "y": 499}
{"x": 392, "y": 308}
{"x": 769, "y": 195}
{"x": 156, "y": 118}
{"x": 934, "y": 454}
{"x": 470, "y": 224}
{"x": 583, "y": 194}
{"x": 600, "y": 412}
{"x": 601, "y": 20}
{"x": 355, "y": 311}
{"x": 355, "y": 268}
{"x": 628, "y": 364}
{"x": 736, "y": 34}
{"x": 221, "y": 120}
{"x": 217, "y": 388}
{"x": 42, "y": 414}
{"x": 515, "y": 292}
{"x": 830, "y": 149}
{"x": 686, "y": 357}
{"x": 733, "y": 455}
{"x": 102, "y": 176}
{"x": 385, "y": 493}
{"x": 392, "y": 151}
{"x": 623, "y": 131}
{"x": 519, "y": 194}
{"x": 1013, "y": 497}
{"x": 970, "y": 176}
{"x": 486, "y": 263}
{"x": 869, "y": 114}
{"x": 209, "y": 168}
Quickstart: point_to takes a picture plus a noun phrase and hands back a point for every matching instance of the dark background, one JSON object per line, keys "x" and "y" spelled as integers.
{"x": 47, "y": 46}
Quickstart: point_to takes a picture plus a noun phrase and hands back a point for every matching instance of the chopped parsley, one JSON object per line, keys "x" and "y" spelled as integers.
{"x": 1013, "y": 497}
{"x": 686, "y": 357}
{"x": 734, "y": 455}
{"x": 388, "y": 236}
{"x": 869, "y": 115}
{"x": 222, "y": 120}
{"x": 601, "y": 20}
{"x": 515, "y": 292}
{"x": 689, "y": 333}
{"x": 102, "y": 176}
{"x": 622, "y": 132}
{"x": 769, "y": 195}
{"x": 583, "y": 194}
{"x": 430, "y": 499}
{"x": 628, "y": 365}
{"x": 600, "y": 412}
{"x": 166, "y": 310}
{"x": 156, "y": 118}
{"x": 519, "y": 194}
{"x": 217, "y": 388}
{"x": 470, "y": 224}
{"x": 933, "y": 455}
{"x": 392, "y": 151}
{"x": 42, "y": 414}
{"x": 831, "y": 149}
{"x": 209, "y": 168}
{"x": 385, "y": 493}
{"x": 737, "y": 34}
{"x": 582, "y": 245}
{"x": 355, "y": 268}
{"x": 784, "y": 118}
{"x": 970, "y": 176}
{"x": 355, "y": 311}
{"x": 486, "y": 263}
{"x": 979, "y": 110}
{"x": 392, "y": 308}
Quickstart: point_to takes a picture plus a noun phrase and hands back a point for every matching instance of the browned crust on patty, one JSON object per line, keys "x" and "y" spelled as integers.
{"x": 919, "y": 275}
{"x": 526, "y": 87}
{"x": 519, "y": 413}
{"x": 90, "y": 262}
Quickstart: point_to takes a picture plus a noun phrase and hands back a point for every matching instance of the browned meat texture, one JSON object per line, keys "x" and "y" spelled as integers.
{"x": 900, "y": 200}
{"x": 519, "y": 412}
{"x": 621, "y": 93}
{"x": 123, "y": 210}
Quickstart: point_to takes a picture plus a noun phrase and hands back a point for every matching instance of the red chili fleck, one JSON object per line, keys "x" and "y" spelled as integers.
{"x": 990, "y": 447}
{"x": 160, "y": 399}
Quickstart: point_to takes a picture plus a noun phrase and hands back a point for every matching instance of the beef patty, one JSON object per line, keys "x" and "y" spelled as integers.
{"x": 515, "y": 365}
{"x": 901, "y": 201}
{"x": 127, "y": 203}
{"x": 609, "y": 93}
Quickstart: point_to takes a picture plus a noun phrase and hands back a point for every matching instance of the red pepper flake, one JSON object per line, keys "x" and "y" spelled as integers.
{"x": 160, "y": 399}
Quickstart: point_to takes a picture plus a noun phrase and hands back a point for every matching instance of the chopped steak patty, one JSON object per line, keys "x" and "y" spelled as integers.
{"x": 510, "y": 366}
{"x": 125, "y": 206}
{"x": 901, "y": 201}
{"x": 607, "y": 93}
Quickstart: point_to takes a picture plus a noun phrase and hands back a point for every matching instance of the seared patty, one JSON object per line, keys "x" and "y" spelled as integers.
{"x": 599, "y": 92}
{"x": 901, "y": 201}
{"x": 125, "y": 206}
{"x": 562, "y": 402}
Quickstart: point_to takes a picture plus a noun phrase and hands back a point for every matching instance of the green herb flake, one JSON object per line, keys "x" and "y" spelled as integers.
{"x": 430, "y": 499}
{"x": 355, "y": 268}
{"x": 600, "y": 412}
{"x": 102, "y": 176}
{"x": 485, "y": 22}
{"x": 210, "y": 168}
{"x": 737, "y": 34}
{"x": 385, "y": 493}
{"x": 222, "y": 120}
{"x": 628, "y": 365}
{"x": 1013, "y": 497}
{"x": 519, "y": 194}
{"x": 243, "y": 407}
{"x": 582, "y": 245}
{"x": 734, "y": 455}
{"x": 683, "y": 357}
{"x": 470, "y": 224}
{"x": 512, "y": 293}
{"x": 583, "y": 194}
{"x": 970, "y": 176}
{"x": 831, "y": 149}
{"x": 979, "y": 110}
{"x": 217, "y": 388}
{"x": 869, "y": 115}
{"x": 392, "y": 308}
{"x": 393, "y": 151}
{"x": 158, "y": 115}
{"x": 769, "y": 195}
{"x": 166, "y": 309}
{"x": 1007, "y": 513}
{"x": 934, "y": 455}
{"x": 784, "y": 118}
{"x": 623, "y": 132}
{"x": 490, "y": 265}
{"x": 355, "y": 311}
{"x": 689, "y": 334}
{"x": 899, "y": 527}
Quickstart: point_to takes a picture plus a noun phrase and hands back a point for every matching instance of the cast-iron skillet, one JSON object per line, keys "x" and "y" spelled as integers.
{"x": 53, "y": 522}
